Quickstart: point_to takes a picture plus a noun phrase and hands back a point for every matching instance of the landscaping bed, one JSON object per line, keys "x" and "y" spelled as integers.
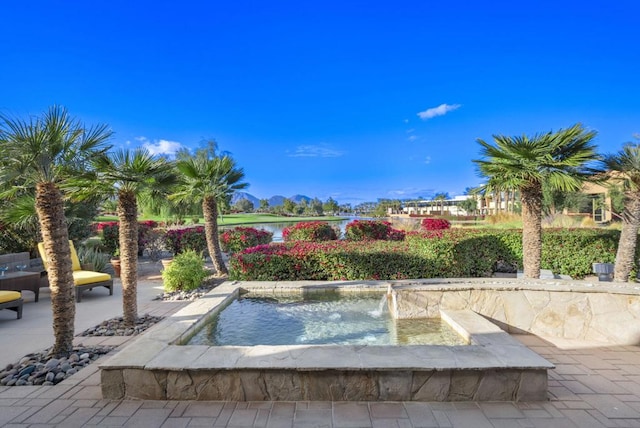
{"x": 452, "y": 253}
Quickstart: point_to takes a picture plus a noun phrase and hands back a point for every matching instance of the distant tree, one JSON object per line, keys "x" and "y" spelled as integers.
{"x": 469, "y": 205}
{"x": 264, "y": 205}
{"x": 301, "y": 207}
{"x": 331, "y": 206}
{"x": 315, "y": 207}
{"x": 244, "y": 205}
{"x": 288, "y": 206}
{"x": 345, "y": 208}
{"x": 441, "y": 197}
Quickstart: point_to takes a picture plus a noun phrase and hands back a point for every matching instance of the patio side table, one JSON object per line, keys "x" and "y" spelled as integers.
{"x": 21, "y": 280}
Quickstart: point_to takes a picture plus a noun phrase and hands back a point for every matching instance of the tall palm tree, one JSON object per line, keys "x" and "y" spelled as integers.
{"x": 46, "y": 152}
{"x": 440, "y": 198}
{"x": 129, "y": 175}
{"x": 211, "y": 179}
{"x": 558, "y": 159}
{"x": 624, "y": 168}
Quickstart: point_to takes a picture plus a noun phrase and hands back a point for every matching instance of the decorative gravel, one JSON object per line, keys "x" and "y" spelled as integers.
{"x": 206, "y": 286}
{"x": 117, "y": 327}
{"x": 40, "y": 369}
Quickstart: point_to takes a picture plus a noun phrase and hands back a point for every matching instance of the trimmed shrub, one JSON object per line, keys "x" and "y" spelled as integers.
{"x": 572, "y": 251}
{"x": 190, "y": 238}
{"x": 366, "y": 230}
{"x": 110, "y": 236}
{"x": 185, "y": 273}
{"x": 435, "y": 224}
{"x": 310, "y": 231}
{"x": 429, "y": 254}
{"x": 241, "y": 238}
{"x": 111, "y": 239}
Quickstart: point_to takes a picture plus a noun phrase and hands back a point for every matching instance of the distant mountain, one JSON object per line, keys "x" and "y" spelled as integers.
{"x": 244, "y": 195}
{"x": 298, "y": 198}
{"x": 274, "y": 201}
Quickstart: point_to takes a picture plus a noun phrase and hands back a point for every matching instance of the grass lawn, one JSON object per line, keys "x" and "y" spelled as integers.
{"x": 239, "y": 219}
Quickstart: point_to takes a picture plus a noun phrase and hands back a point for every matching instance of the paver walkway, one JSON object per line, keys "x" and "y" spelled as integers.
{"x": 593, "y": 385}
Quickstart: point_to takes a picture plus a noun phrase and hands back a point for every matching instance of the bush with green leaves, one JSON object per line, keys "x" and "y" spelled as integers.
{"x": 309, "y": 231}
{"x": 186, "y": 238}
{"x": 185, "y": 273}
{"x": 240, "y": 238}
{"x": 366, "y": 230}
{"x": 111, "y": 235}
{"x": 452, "y": 253}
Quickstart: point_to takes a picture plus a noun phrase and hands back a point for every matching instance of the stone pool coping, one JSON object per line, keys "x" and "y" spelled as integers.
{"x": 156, "y": 367}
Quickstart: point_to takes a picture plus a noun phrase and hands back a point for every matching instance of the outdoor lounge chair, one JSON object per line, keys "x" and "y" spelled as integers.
{"x": 82, "y": 279}
{"x": 11, "y": 300}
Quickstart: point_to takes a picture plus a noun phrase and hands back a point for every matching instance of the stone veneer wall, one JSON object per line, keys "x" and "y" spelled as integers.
{"x": 605, "y": 313}
{"x": 326, "y": 385}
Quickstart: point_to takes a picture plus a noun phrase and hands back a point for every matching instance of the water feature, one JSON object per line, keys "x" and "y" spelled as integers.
{"x": 160, "y": 365}
{"x": 319, "y": 319}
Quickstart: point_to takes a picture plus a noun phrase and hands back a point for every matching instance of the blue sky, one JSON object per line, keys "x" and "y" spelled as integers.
{"x": 350, "y": 99}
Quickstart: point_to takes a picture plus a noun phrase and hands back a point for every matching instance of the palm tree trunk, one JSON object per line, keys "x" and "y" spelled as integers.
{"x": 128, "y": 217}
{"x": 55, "y": 237}
{"x": 210, "y": 214}
{"x": 532, "y": 230}
{"x": 625, "y": 257}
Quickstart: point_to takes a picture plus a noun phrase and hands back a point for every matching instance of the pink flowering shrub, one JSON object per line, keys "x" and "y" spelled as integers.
{"x": 311, "y": 231}
{"x": 111, "y": 230}
{"x": 328, "y": 260}
{"x": 188, "y": 238}
{"x": 449, "y": 253}
{"x": 241, "y": 238}
{"x": 365, "y": 230}
{"x": 435, "y": 224}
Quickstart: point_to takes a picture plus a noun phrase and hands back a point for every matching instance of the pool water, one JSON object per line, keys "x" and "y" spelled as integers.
{"x": 319, "y": 319}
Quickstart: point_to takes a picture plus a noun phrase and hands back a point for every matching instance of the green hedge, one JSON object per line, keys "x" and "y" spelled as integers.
{"x": 454, "y": 253}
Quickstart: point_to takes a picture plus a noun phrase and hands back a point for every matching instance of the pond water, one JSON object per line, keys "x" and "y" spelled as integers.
{"x": 319, "y": 319}
{"x": 277, "y": 228}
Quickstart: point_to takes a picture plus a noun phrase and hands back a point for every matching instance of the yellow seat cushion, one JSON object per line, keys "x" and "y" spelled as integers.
{"x": 84, "y": 277}
{"x": 8, "y": 296}
{"x": 75, "y": 261}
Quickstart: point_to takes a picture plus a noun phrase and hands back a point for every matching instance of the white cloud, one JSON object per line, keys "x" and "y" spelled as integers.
{"x": 412, "y": 137}
{"x": 427, "y": 160}
{"x": 315, "y": 151}
{"x": 441, "y": 110}
{"x": 406, "y": 120}
{"x": 160, "y": 147}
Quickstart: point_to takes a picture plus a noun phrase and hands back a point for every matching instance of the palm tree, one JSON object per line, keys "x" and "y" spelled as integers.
{"x": 211, "y": 179}
{"x": 556, "y": 158}
{"x": 441, "y": 197}
{"x": 46, "y": 152}
{"x": 624, "y": 167}
{"x": 129, "y": 175}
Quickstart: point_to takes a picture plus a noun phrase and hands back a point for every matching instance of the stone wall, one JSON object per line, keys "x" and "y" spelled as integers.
{"x": 326, "y": 385}
{"x": 608, "y": 314}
